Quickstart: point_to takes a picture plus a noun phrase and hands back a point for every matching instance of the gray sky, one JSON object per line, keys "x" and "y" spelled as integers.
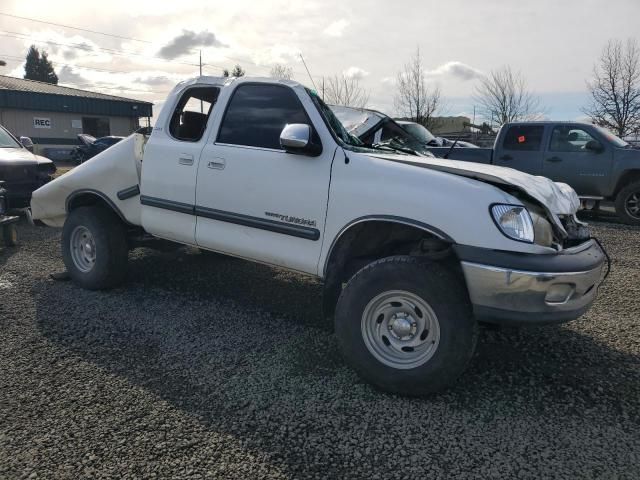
{"x": 554, "y": 43}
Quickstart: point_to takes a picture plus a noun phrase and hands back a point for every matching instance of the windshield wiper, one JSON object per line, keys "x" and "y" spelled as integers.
{"x": 386, "y": 146}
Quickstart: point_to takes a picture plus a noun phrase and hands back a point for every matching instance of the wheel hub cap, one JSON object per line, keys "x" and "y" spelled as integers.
{"x": 83, "y": 249}
{"x": 633, "y": 205}
{"x": 400, "y": 329}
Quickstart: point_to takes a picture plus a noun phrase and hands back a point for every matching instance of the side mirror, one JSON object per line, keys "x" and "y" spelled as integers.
{"x": 27, "y": 143}
{"x": 297, "y": 138}
{"x": 594, "y": 146}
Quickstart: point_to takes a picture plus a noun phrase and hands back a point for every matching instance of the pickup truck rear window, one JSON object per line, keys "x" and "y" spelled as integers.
{"x": 257, "y": 114}
{"x": 523, "y": 138}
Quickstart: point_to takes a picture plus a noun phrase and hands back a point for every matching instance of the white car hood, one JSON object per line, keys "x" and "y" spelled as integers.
{"x": 558, "y": 198}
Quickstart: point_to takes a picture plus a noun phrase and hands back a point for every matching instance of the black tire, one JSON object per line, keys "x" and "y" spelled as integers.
{"x": 110, "y": 243}
{"x": 10, "y": 235}
{"x": 443, "y": 289}
{"x": 623, "y": 204}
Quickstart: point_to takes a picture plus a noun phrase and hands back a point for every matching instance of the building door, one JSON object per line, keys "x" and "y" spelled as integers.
{"x": 96, "y": 126}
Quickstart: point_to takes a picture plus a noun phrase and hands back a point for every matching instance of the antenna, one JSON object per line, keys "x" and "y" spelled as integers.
{"x": 308, "y": 73}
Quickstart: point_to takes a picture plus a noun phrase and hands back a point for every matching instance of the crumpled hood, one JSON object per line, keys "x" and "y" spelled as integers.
{"x": 558, "y": 198}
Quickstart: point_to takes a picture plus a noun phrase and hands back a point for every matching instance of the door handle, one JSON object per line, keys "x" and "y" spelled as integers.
{"x": 506, "y": 157}
{"x": 217, "y": 164}
{"x": 185, "y": 159}
{"x": 554, "y": 159}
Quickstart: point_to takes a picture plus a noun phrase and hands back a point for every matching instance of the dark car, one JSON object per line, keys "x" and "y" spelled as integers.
{"x": 7, "y": 223}
{"x": 91, "y": 146}
{"x": 22, "y": 171}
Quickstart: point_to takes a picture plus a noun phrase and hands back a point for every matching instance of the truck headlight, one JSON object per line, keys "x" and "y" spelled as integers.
{"x": 513, "y": 221}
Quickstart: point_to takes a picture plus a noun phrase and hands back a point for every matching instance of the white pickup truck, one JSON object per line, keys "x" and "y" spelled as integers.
{"x": 413, "y": 251}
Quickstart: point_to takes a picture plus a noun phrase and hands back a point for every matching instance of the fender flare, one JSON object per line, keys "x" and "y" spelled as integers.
{"x": 102, "y": 196}
{"x": 383, "y": 218}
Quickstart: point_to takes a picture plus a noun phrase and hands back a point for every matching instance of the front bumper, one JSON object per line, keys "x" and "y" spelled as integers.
{"x": 513, "y": 288}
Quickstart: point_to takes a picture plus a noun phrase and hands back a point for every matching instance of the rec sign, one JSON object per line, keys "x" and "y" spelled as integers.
{"x": 39, "y": 122}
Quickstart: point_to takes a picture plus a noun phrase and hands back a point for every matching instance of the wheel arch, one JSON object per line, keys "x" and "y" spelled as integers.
{"x": 372, "y": 237}
{"x": 90, "y": 197}
{"x": 627, "y": 177}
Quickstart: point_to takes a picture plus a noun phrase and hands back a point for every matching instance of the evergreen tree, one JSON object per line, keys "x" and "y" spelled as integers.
{"x": 39, "y": 67}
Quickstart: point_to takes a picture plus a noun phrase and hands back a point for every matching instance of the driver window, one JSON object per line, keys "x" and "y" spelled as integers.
{"x": 569, "y": 139}
{"x": 189, "y": 119}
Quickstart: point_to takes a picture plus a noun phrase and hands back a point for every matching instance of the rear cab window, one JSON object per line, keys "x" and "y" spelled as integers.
{"x": 527, "y": 138}
{"x": 189, "y": 119}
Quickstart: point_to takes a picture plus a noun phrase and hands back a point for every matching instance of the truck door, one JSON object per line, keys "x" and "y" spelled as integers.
{"x": 253, "y": 199}
{"x": 521, "y": 149}
{"x": 170, "y": 166}
{"x": 576, "y": 156}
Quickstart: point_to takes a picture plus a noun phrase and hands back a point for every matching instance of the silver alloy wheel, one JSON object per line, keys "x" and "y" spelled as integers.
{"x": 83, "y": 249}
{"x": 632, "y": 205}
{"x": 400, "y": 329}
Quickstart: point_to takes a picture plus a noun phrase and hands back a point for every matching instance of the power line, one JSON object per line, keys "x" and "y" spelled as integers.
{"x": 88, "y": 48}
{"x": 74, "y": 28}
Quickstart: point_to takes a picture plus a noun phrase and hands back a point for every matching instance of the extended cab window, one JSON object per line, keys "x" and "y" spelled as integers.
{"x": 568, "y": 139}
{"x": 257, "y": 114}
{"x": 189, "y": 119}
{"x": 524, "y": 138}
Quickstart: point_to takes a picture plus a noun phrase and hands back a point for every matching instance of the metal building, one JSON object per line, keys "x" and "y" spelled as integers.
{"x": 52, "y": 115}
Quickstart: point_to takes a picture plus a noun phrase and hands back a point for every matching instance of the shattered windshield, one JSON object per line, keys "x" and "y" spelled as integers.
{"x": 7, "y": 141}
{"x": 332, "y": 122}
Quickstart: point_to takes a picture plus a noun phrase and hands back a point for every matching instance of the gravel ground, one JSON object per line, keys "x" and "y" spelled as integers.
{"x": 210, "y": 367}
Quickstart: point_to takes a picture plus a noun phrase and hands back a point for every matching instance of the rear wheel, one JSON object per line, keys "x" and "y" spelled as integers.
{"x": 94, "y": 248}
{"x": 405, "y": 325}
{"x": 628, "y": 204}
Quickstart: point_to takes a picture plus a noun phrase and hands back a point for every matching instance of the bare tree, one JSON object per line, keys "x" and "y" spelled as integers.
{"x": 503, "y": 97}
{"x": 615, "y": 88}
{"x": 346, "y": 91}
{"x": 281, "y": 71}
{"x": 415, "y": 98}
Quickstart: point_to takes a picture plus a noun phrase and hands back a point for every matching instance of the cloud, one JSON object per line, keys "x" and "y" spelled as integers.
{"x": 155, "y": 80}
{"x": 355, "y": 72}
{"x": 187, "y": 40}
{"x": 459, "y": 70}
{"x": 66, "y": 74}
{"x": 388, "y": 80}
{"x": 336, "y": 29}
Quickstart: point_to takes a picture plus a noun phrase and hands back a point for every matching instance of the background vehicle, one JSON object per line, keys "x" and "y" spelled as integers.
{"x": 7, "y": 223}
{"x": 596, "y": 163}
{"x": 426, "y": 137}
{"x": 91, "y": 146}
{"x": 22, "y": 171}
{"x": 412, "y": 250}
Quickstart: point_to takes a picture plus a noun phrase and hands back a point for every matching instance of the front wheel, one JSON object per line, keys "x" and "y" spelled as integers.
{"x": 94, "y": 248}
{"x": 406, "y": 326}
{"x": 628, "y": 204}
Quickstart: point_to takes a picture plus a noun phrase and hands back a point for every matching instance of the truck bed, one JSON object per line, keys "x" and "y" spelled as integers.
{"x": 477, "y": 155}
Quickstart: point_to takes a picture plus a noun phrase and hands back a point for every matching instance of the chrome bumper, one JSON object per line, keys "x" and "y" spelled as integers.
{"x": 507, "y": 295}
